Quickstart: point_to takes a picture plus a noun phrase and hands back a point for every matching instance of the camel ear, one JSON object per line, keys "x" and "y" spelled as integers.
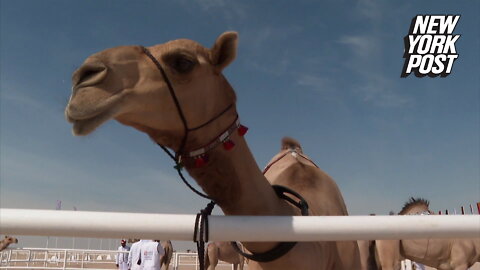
{"x": 224, "y": 51}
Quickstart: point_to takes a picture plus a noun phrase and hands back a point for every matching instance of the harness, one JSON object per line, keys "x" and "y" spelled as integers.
{"x": 294, "y": 153}
{"x": 201, "y": 157}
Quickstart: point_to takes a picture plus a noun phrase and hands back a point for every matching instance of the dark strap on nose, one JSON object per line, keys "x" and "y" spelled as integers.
{"x": 178, "y": 154}
{"x": 174, "y": 97}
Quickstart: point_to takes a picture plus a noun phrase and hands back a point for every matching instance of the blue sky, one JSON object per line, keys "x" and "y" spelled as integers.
{"x": 326, "y": 73}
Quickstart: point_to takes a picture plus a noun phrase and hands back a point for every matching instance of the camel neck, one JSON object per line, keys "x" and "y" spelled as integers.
{"x": 232, "y": 178}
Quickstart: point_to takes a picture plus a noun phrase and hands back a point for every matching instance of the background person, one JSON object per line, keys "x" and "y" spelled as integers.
{"x": 150, "y": 255}
{"x": 134, "y": 256}
{"x": 122, "y": 258}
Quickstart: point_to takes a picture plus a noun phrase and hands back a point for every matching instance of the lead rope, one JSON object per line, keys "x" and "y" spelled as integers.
{"x": 201, "y": 222}
{"x": 200, "y": 233}
{"x": 178, "y": 167}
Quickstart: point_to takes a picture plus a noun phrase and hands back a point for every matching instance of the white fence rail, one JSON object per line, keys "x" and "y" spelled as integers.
{"x": 241, "y": 228}
{"x": 74, "y": 259}
{"x": 52, "y": 258}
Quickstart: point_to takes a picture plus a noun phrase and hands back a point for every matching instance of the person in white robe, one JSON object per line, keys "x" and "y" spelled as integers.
{"x": 134, "y": 262}
{"x": 121, "y": 259}
{"x": 151, "y": 254}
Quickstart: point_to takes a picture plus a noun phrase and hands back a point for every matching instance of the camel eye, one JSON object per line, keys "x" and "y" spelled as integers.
{"x": 182, "y": 64}
{"x": 180, "y": 61}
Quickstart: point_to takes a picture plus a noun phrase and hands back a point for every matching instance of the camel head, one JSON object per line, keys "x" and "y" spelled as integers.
{"x": 124, "y": 84}
{"x": 289, "y": 145}
{"x": 416, "y": 206}
{"x": 10, "y": 240}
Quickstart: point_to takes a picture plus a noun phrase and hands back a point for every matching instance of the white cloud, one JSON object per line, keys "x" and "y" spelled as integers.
{"x": 266, "y": 37}
{"x": 381, "y": 92}
{"x": 230, "y": 10}
{"x": 208, "y": 4}
{"x": 375, "y": 86}
{"x": 265, "y": 52}
{"x": 362, "y": 46}
{"x": 277, "y": 69}
{"x": 11, "y": 94}
{"x": 370, "y": 9}
{"x": 314, "y": 82}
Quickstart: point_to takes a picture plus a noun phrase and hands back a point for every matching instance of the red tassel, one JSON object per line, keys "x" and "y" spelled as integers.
{"x": 201, "y": 161}
{"x": 242, "y": 130}
{"x": 228, "y": 144}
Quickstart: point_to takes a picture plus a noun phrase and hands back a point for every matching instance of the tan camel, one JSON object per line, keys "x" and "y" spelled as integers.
{"x": 443, "y": 254}
{"x": 368, "y": 255}
{"x": 7, "y": 240}
{"x": 380, "y": 254}
{"x": 190, "y": 108}
{"x": 292, "y": 168}
{"x": 168, "y": 248}
{"x": 222, "y": 251}
{"x": 386, "y": 255}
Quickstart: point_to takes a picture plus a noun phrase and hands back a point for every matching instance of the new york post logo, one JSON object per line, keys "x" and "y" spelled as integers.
{"x": 430, "y": 46}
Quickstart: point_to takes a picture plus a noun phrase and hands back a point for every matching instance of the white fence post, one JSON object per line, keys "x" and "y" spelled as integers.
{"x": 64, "y": 259}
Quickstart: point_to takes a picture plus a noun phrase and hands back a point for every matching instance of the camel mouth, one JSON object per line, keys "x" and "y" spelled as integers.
{"x": 86, "y": 119}
{"x": 83, "y": 127}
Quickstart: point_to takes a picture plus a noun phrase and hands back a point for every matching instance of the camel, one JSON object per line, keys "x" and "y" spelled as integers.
{"x": 167, "y": 257}
{"x": 380, "y": 254}
{"x": 368, "y": 256}
{"x": 175, "y": 93}
{"x": 386, "y": 255}
{"x": 7, "y": 240}
{"x": 443, "y": 254}
{"x": 222, "y": 251}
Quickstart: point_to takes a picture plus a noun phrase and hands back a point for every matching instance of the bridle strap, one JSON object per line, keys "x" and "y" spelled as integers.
{"x": 290, "y": 151}
{"x": 211, "y": 120}
{"x": 172, "y": 94}
{"x": 179, "y": 107}
{"x": 177, "y": 156}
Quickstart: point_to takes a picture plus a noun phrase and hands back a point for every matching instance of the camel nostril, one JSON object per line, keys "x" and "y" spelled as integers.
{"x": 89, "y": 73}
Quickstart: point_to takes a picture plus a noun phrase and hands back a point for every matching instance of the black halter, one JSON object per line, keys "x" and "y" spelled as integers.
{"x": 178, "y": 154}
{"x": 179, "y": 107}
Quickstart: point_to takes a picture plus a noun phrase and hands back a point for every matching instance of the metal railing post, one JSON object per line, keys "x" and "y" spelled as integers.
{"x": 29, "y": 257}
{"x": 64, "y": 259}
{"x": 83, "y": 257}
{"x": 9, "y": 256}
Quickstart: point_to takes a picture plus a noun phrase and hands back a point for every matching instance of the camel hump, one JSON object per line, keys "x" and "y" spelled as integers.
{"x": 290, "y": 143}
